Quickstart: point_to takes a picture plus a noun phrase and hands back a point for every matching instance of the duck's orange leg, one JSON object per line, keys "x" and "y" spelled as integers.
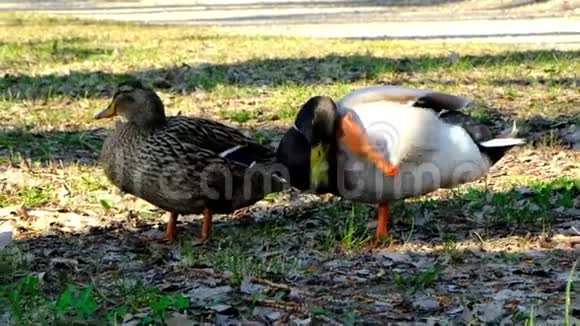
{"x": 382, "y": 222}
{"x": 206, "y": 226}
{"x": 171, "y": 226}
{"x": 357, "y": 141}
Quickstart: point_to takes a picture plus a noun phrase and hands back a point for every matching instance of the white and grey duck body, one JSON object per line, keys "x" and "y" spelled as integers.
{"x": 184, "y": 165}
{"x": 420, "y": 134}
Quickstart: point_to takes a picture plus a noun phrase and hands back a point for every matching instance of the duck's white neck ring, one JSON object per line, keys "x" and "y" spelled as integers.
{"x": 296, "y": 128}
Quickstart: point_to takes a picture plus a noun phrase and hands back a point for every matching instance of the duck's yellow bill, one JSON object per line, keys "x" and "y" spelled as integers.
{"x": 106, "y": 113}
{"x": 318, "y": 166}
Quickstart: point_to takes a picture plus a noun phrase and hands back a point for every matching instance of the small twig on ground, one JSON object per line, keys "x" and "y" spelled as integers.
{"x": 410, "y": 232}
{"x": 23, "y": 213}
{"x": 363, "y": 298}
{"x": 561, "y": 123}
{"x": 270, "y": 283}
{"x": 211, "y": 273}
{"x": 328, "y": 320}
{"x": 513, "y": 230}
{"x": 479, "y": 237}
{"x": 24, "y": 165}
{"x": 284, "y": 305}
{"x": 241, "y": 213}
{"x": 132, "y": 218}
{"x": 573, "y": 240}
{"x": 100, "y": 293}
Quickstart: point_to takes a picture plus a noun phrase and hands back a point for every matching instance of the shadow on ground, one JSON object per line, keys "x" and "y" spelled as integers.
{"x": 82, "y": 146}
{"x": 68, "y": 147}
{"x": 266, "y": 72}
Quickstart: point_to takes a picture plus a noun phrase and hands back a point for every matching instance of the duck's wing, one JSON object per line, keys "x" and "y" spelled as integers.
{"x": 180, "y": 174}
{"x": 219, "y": 139}
{"x": 188, "y": 156}
{"x": 403, "y": 96}
{"x": 405, "y": 120}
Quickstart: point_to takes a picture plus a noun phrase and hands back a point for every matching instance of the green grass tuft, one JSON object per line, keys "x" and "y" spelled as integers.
{"x": 418, "y": 281}
{"x": 241, "y": 265}
{"x": 348, "y": 231}
{"x": 531, "y": 205}
{"x": 30, "y": 196}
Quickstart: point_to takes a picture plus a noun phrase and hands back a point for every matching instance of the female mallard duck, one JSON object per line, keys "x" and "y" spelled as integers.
{"x": 383, "y": 143}
{"x": 183, "y": 165}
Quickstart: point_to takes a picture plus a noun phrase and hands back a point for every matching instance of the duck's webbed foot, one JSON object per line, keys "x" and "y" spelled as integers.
{"x": 206, "y": 227}
{"x": 169, "y": 235}
{"x": 382, "y": 232}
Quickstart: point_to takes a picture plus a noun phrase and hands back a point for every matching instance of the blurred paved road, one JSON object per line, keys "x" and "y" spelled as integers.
{"x": 555, "y": 22}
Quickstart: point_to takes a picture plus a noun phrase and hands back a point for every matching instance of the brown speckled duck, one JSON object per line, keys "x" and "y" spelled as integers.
{"x": 182, "y": 164}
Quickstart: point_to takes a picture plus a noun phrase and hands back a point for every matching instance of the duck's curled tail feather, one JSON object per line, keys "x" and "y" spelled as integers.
{"x": 496, "y": 148}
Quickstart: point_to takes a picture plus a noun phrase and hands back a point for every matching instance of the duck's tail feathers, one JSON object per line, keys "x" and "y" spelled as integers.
{"x": 510, "y": 132}
{"x": 503, "y": 142}
{"x": 496, "y": 148}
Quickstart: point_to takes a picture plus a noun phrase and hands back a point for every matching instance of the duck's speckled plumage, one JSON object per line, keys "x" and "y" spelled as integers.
{"x": 177, "y": 163}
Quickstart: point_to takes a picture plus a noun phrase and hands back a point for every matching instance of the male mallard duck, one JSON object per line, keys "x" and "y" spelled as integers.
{"x": 387, "y": 142}
{"x": 183, "y": 165}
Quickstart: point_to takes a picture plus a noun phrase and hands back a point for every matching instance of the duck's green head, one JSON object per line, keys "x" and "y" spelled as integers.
{"x": 307, "y": 149}
{"x": 135, "y": 103}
